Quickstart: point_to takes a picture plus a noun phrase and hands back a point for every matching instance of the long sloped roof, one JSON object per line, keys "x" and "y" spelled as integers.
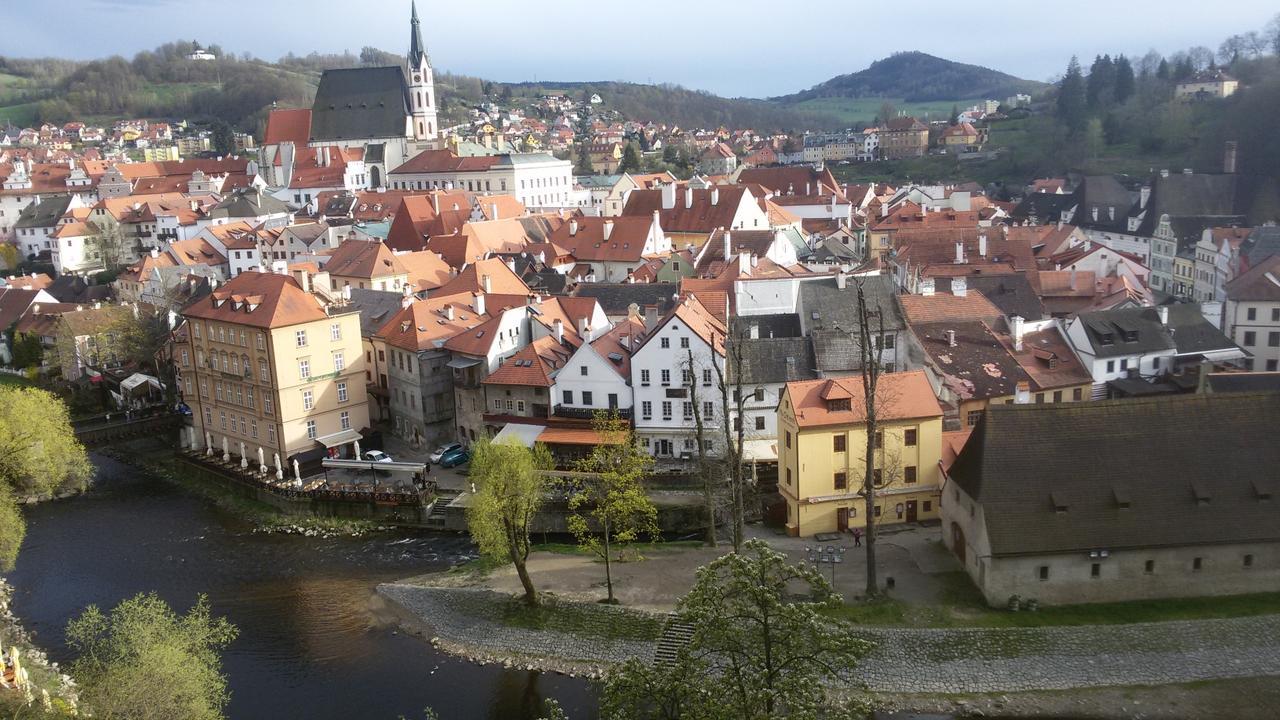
{"x": 1186, "y": 465}
{"x": 360, "y": 104}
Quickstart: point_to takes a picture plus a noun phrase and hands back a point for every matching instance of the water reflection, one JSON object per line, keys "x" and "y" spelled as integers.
{"x": 315, "y": 640}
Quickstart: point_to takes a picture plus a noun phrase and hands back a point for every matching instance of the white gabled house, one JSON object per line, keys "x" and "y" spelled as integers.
{"x": 598, "y": 375}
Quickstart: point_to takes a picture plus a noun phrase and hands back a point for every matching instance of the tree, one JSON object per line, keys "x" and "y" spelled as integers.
{"x": 755, "y": 653}
{"x": 706, "y": 468}
{"x": 955, "y": 116}
{"x": 870, "y": 331}
{"x": 630, "y": 159}
{"x": 1125, "y": 83}
{"x": 1272, "y": 34}
{"x": 106, "y": 242}
{"x": 9, "y": 256}
{"x": 1100, "y": 84}
{"x": 143, "y": 661}
{"x": 511, "y": 486}
{"x": 1071, "y": 104}
{"x": 887, "y": 112}
{"x": 610, "y": 507}
{"x": 734, "y": 431}
{"x": 584, "y": 166}
{"x": 13, "y": 528}
{"x": 223, "y": 140}
{"x": 105, "y": 336}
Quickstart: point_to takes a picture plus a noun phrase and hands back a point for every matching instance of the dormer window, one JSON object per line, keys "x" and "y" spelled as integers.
{"x": 1060, "y": 504}
{"x": 1131, "y": 336}
{"x": 1201, "y": 493}
{"x": 839, "y": 404}
{"x": 1106, "y": 339}
{"x": 1121, "y": 496}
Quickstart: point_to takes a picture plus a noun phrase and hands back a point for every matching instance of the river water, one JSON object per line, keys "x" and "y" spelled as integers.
{"x": 314, "y": 641}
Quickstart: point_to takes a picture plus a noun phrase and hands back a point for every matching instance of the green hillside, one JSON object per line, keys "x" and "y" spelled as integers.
{"x": 917, "y": 77}
{"x": 851, "y": 111}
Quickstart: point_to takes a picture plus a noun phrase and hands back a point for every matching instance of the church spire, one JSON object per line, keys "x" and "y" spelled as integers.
{"x": 417, "y": 51}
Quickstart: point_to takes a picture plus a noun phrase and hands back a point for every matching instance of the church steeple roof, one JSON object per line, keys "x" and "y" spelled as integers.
{"x": 417, "y": 51}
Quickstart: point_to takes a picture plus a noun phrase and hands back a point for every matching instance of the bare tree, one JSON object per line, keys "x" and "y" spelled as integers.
{"x": 706, "y": 467}
{"x": 732, "y": 407}
{"x": 870, "y": 330}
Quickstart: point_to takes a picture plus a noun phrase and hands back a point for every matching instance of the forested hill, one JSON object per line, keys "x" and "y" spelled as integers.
{"x": 918, "y": 77}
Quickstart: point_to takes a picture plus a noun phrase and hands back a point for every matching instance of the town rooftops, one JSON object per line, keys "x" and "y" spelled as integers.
{"x": 1197, "y": 482}
{"x": 1261, "y": 283}
{"x": 363, "y": 259}
{"x": 360, "y": 104}
{"x": 288, "y": 125}
{"x": 259, "y": 299}
{"x": 1125, "y": 331}
{"x": 839, "y": 401}
{"x": 938, "y": 307}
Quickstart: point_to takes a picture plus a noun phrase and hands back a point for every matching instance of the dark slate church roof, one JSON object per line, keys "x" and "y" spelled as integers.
{"x": 360, "y": 104}
{"x": 773, "y": 360}
{"x": 1121, "y": 474}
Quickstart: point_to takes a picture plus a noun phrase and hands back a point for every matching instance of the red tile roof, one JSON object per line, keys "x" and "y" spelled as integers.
{"x": 902, "y": 396}
{"x": 258, "y": 299}
{"x": 288, "y": 125}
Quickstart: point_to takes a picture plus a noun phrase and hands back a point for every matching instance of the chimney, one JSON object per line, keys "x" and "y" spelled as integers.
{"x": 982, "y": 245}
{"x": 1016, "y": 327}
{"x": 1163, "y": 313}
{"x": 448, "y": 312}
{"x": 477, "y": 303}
{"x": 1073, "y": 279}
{"x": 884, "y": 210}
{"x": 959, "y": 252}
{"x": 1111, "y": 212}
{"x": 927, "y": 287}
{"x": 573, "y": 228}
{"x": 688, "y": 197}
{"x": 558, "y": 327}
{"x": 1229, "y": 158}
{"x": 435, "y": 201}
{"x": 1164, "y": 172}
{"x": 668, "y": 196}
{"x": 304, "y": 280}
{"x": 959, "y": 287}
{"x": 715, "y": 195}
{"x": 493, "y": 211}
{"x": 728, "y": 244}
{"x": 755, "y": 331}
{"x": 486, "y": 285}
{"x": 951, "y": 338}
{"x": 650, "y": 317}
{"x": 744, "y": 264}
{"x": 842, "y": 279}
{"x": 406, "y": 300}
{"x": 584, "y": 330}
{"x": 155, "y": 252}
{"x": 608, "y": 229}
{"x": 1143, "y": 196}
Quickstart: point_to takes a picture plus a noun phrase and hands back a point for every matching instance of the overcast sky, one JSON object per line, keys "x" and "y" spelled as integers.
{"x": 746, "y": 48}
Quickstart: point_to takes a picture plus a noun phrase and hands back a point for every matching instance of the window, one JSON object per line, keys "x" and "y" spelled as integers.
{"x": 568, "y": 397}
{"x": 335, "y": 331}
{"x": 262, "y": 371}
{"x": 879, "y": 439}
{"x": 1043, "y": 572}
{"x": 1111, "y": 366}
{"x": 186, "y": 358}
{"x": 586, "y": 398}
{"x": 684, "y": 343}
{"x": 1275, "y": 317}
{"x": 909, "y": 474}
{"x": 877, "y": 513}
{"x": 877, "y": 477}
{"x": 1248, "y": 560}
{"x": 788, "y": 439}
{"x": 249, "y": 394}
{"x": 842, "y": 481}
{"x": 706, "y": 377}
{"x": 342, "y": 392}
{"x": 1250, "y": 338}
{"x": 759, "y": 422}
{"x": 311, "y": 429}
{"x": 1039, "y": 398}
{"x": 646, "y": 409}
{"x": 222, "y": 333}
{"x": 839, "y": 443}
{"x": 909, "y": 437}
{"x": 1271, "y": 365}
{"x": 788, "y": 477}
{"x": 1095, "y": 570}
{"x": 267, "y": 402}
{"x": 666, "y": 409}
{"x": 1149, "y": 566}
{"x": 759, "y": 394}
{"x": 1252, "y": 313}
{"x": 928, "y": 506}
{"x": 195, "y": 328}
{"x": 271, "y": 434}
{"x": 344, "y": 419}
{"x": 222, "y": 420}
{"x": 1124, "y": 363}
{"x": 686, "y": 408}
{"x": 308, "y": 400}
{"x": 666, "y": 377}
{"x": 304, "y": 369}
{"x": 1273, "y": 339}
{"x": 644, "y": 377}
{"x": 1197, "y": 564}
{"x": 262, "y": 341}
{"x": 582, "y": 371}
{"x": 973, "y": 417}
{"x": 253, "y": 429}
{"x": 664, "y": 343}
{"x": 339, "y": 362}
{"x": 708, "y": 410}
{"x": 686, "y": 377}
{"x": 301, "y": 338}
{"x": 1077, "y": 395}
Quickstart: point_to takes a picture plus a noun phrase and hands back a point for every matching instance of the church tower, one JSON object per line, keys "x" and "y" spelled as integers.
{"x": 422, "y": 86}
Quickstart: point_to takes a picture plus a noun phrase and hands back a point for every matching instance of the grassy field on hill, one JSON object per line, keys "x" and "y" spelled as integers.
{"x": 864, "y": 110}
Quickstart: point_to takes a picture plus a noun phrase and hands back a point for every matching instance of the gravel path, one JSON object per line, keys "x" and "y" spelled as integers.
{"x": 469, "y": 622}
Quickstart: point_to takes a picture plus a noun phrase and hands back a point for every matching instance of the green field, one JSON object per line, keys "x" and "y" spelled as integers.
{"x": 855, "y": 110}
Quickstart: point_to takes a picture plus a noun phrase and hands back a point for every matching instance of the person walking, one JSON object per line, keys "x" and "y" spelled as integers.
{"x": 857, "y": 537}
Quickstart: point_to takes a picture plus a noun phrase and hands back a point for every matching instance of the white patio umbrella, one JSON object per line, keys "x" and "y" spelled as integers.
{"x": 226, "y": 451}
{"x": 208, "y": 443}
{"x": 357, "y": 443}
{"x": 279, "y": 468}
{"x": 244, "y": 461}
{"x": 262, "y": 460}
{"x": 297, "y": 471}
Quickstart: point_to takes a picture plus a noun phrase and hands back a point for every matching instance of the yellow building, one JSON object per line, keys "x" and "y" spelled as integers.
{"x": 161, "y": 153}
{"x": 822, "y": 429}
{"x": 264, "y": 363}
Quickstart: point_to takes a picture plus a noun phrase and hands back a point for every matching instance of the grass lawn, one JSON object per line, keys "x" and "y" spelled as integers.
{"x": 963, "y": 606}
{"x": 579, "y": 619}
{"x": 22, "y": 115}
{"x": 7, "y": 379}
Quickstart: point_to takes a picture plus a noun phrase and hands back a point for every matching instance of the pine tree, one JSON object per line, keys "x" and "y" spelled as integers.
{"x": 1099, "y": 89}
{"x": 1125, "y": 82}
{"x": 630, "y": 159}
{"x": 1071, "y": 106}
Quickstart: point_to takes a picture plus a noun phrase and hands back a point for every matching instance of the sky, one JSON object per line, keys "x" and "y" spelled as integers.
{"x": 750, "y": 48}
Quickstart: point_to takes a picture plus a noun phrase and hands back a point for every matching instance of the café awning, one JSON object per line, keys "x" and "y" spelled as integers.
{"x": 342, "y": 437}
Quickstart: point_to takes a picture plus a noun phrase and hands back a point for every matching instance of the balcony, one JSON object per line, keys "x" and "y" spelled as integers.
{"x": 588, "y": 413}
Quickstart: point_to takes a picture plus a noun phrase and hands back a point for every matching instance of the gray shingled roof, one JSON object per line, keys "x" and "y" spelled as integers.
{"x": 1233, "y": 382}
{"x": 1210, "y": 199}
{"x": 775, "y": 360}
{"x": 359, "y": 104}
{"x": 1012, "y": 294}
{"x": 44, "y": 213}
{"x": 1148, "y": 334}
{"x": 1192, "y": 333}
{"x": 782, "y": 325}
{"x": 1158, "y": 454}
{"x": 615, "y": 298}
{"x": 824, "y": 306}
{"x": 376, "y": 308}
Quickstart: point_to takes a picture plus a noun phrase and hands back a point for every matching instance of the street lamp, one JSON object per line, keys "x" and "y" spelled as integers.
{"x": 829, "y": 555}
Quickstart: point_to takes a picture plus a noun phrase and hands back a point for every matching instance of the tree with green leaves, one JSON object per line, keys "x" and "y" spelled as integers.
{"x": 955, "y": 116}
{"x": 630, "y": 159}
{"x": 608, "y": 506}
{"x": 1125, "y": 83}
{"x": 511, "y": 486}
{"x": 39, "y": 453}
{"x": 1071, "y": 106}
{"x": 143, "y": 661}
{"x": 223, "y": 137}
{"x": 756, "y": 653}
{"x": 583, "y": 166}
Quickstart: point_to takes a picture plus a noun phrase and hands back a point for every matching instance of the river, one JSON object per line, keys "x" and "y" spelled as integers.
{"x": 312, "y": 643}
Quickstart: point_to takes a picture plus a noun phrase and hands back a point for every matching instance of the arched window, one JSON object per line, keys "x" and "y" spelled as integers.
{"x": 419, "y": 104}
{"x": 375, "y": 176}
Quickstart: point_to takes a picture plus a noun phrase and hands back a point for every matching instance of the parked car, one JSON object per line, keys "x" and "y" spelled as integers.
{"x": 442, "y": 451}
{"x": 455, "y": 457}
{"x": 377, "y": 456}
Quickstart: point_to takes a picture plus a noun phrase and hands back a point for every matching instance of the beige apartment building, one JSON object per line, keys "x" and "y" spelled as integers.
{"x": 269, "y": 364}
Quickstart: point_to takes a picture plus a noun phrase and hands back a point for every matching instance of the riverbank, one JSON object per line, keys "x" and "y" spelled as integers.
{"x": 1047, "y": 671}
{"x": 47, "y": 681}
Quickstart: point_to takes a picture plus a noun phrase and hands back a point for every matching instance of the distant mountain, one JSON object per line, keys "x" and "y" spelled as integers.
{"x": 917, "y": 77}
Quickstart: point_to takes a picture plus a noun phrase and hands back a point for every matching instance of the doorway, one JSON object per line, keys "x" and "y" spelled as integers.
{"x": 957, "y": 542}
{"x": 664, "y": 448}
{"x": 842, "y": 519}
{"x": 911, "y": 511}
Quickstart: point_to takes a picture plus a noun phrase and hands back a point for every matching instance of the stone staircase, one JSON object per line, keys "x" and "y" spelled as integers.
{"x": 675, "y": 636}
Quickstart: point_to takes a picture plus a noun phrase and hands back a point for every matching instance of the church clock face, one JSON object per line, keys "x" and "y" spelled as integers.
{"x": 417, "y": 77}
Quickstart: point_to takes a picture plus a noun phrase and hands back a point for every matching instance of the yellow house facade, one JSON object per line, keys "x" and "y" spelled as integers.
{"x": 822, "y": 433}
